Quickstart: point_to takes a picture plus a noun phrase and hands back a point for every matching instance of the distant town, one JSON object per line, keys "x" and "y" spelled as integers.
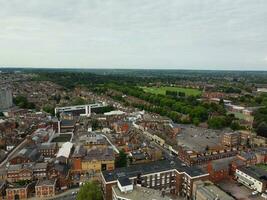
{"x": 133, "y": 134}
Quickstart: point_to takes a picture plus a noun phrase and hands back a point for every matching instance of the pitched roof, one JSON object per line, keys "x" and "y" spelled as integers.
{"x": 152, "y": 167}
{"x": 50, "y": 182}
{"x": 65, "y": 150}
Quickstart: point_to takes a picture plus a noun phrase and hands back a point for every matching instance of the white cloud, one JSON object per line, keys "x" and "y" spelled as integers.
{"x": 125, "y": 33}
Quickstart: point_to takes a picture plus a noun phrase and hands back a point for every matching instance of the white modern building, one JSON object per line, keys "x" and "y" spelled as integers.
{"x": 252, "y": 177}
{"x": 87, "y": 108}
{"x": 125, "y": 190}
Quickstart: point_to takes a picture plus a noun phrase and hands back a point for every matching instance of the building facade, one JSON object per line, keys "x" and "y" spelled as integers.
{"x": 252, "y": 177}
{"x": 5, "y": 98}
{"x": 169, "y": 177}
{"x": 206, "y": 190}
{"x": 45, "y": 188}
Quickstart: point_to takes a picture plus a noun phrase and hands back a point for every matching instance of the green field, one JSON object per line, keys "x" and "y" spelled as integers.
{"x": 241, "y": 116}
{"x": 262, "y": 166}
{"x": 62, "y": 138}
{"x": 162, "y": 90}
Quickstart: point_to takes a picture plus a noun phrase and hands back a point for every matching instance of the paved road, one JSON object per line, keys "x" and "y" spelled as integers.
{"x": 17, "y": 148}
{"x": 13, "y": 152}
{"x": 112, "y": 145}
{"x": 67, "y": 195}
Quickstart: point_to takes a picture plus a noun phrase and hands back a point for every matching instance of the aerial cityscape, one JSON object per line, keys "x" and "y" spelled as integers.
{"x": 133, "y": 100}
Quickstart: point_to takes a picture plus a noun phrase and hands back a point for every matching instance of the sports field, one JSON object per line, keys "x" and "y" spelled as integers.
{"x": 162, "y": 90}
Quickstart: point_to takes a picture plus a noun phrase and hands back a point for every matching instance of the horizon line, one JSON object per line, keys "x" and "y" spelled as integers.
{"x": 130, "y": 68}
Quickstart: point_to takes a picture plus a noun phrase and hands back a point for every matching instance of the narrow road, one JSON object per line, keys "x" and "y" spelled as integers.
{"x": 67, "y": 195}
{"x": 16, "y": 149}
{"x": 112, "y": 145}
{"x": 13, "y": 152}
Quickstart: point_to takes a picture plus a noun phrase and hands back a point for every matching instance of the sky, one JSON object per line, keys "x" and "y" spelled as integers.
{"x": 177, "y": 34}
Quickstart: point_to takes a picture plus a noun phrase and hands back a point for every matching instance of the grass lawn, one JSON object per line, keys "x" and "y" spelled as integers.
{"x": 62, "y": 138}
{"x": 262, "y": 166}
{"x": 241, "y": 116}
{"x": 162, "y": 90}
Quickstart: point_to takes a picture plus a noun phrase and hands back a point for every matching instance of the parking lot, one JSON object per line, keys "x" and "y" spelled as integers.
{"x": 238, "y": 191}
{"x": 197, "y": 139}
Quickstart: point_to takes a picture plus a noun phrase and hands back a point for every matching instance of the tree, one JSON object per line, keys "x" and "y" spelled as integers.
{"x": 90, "y": 191}
{"x": 49, "y": 109}
{"x": 96, "y": 125}
{"x": 22, "y": 102}
{"x": 216, "y": 122}
{"x": 262, "y": 129}
{"x": 79, "y": 101}
{"x": 121, "y": 160}
{"x": 235, "y": 126}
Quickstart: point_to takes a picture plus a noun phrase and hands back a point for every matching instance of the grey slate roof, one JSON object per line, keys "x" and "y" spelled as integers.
{"x": 124, "y": 181}
{"x": 255, "y": 172}
{"x": 152, "y": 167}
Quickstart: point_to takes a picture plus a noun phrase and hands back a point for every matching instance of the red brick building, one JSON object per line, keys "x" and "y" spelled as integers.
{"x": 45, "y": 188}
{"x": 220, "y": 169}
{"x": 121, "y": 127}
{"x": 16, "y": 191}
{"x": 169, "y": 177}
{"x": 60, "y": 172}
{"x": 19, "y": 172}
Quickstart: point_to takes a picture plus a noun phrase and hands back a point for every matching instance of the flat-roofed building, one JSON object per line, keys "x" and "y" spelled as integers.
{"x": 93, "y": 140}
{"x": 253, "y": 177}
{"x": 167, "y": 176}
{"x": 231, "y": 139}
{"x": 125, "y": 190}
{"x": 206, "y": 190}
{"x": 95, "y": 159}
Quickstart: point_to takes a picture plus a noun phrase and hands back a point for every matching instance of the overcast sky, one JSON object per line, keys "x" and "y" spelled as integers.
{"x": 187, "y": 34}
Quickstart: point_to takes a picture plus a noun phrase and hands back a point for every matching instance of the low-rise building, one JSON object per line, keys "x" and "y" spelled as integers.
{"x": 40, "y": 170}
{"x": 168, "y": 176}
{"x": 206, "y": 190}
{"x": 95, "y": 159}
{"x": 219, "y": 169}
{"x": 121, "y": 127}
{"x": 249, "y": 158}
{"x": 61, "y": 172}
{"x": 125, "y": 190}
{"x": 20, "y": 172}
{"x": 3, "y": 185}
{"x": 253, "y": 177}
{"x": 26, "y": 155}
{"x": 64, "y": 152}
{"x": 45, "y": 188}
{"x": 231, "y": 139}
{"x": 93, "y": 140}
{"x": 48, "y": 150}
{"x": 19, "y": 191}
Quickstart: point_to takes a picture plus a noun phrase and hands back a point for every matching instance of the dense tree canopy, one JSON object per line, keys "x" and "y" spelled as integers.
{"x": 22, "y": 102}
{"x": 121, "y": 160}
{"x": 90, "y": 191}
{"x": 49, "y": 109}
